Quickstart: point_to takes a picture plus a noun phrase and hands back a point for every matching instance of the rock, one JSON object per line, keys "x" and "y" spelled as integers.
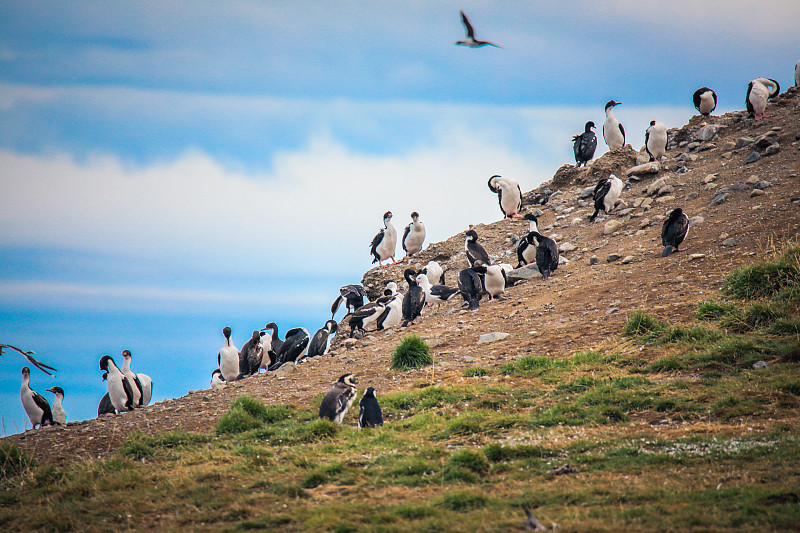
{"x": 350, "y": 343}
{"x": 752, "y": 180}
{"x": 638, "y": 202}
{"x": 757, "y": 192}
{"x": 692, "y": 257}
{"x": 611, "y": 226}
{"x": 706, "y": 133}
{"x": 679, "y": 279}
{"x": 759, "y": 365}
{"x": 612, "y": 310}
{"x": 613, "y": 257}
{"x": 647, "y": 202}
{"x": 654, "y": 187}
{"x": 665, "y": 190}
{"x": 466, "y": 359}
{"x": 729, "y": 242}
{"x": 772, "y": 149}
{"x": 765, "y": 140}
{"x": 642, "y": 158}
{"x": 587, "y": 192}
{"x": 367, "y": 342}
{"x": 627, "y": 259}
{"x": 647, "y": 168}
{"x": 285, "y": 369}
{"x": 566, "y": 247}
{"x": 525, "y": 273}
{"x": 741, "y": 142}
{"x": 692, "y": 196}
{"x": 710, "y": 186}
{"x": 695, "y": 220}
{"x": 691, "y": 146}
{"x": 562, "y": 260}
{"x": 709, "y": 178}
{"x": 665, "y": 199}
{"x": 644, "y": 223}
{"x": 593, "y": 260}
{"x": 722, "y": 194}
{"x": 753, "y": 157}
{"x": 492, "y": 337}
{"x": 728, "y": 146}
{"x": 706, "y": 146}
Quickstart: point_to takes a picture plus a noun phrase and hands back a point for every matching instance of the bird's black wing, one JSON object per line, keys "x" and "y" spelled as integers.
{"x": 374, "y": 245}
{"x": 696, "y": 98}
{"x": 665, "y": 230}
{"x": 128, "y": 392}
{"x": 747, "y": 103}
{"x": 519, "y": 205}
{"x": 552, "y": 249}
{"x": 467, "y": 25}
{"x": 335, "y": 305}
{"x": 105, "y": 406}
{"x": 443, "y": 291}
{"x": 622, "y": 131}
{"x": 591, "y": 145}
{"x": 405, "y": 234}
{"x": 139, "y": 386}
{"x": 647, "y": 140}
{"x": 317, "y": 344}
{"x": 600, "y": 191}
{"x": 29, "y": 356}
{"x": 493, "y": 189}
{"x": 42, "y": 403}
{"x": 714, "y": 96}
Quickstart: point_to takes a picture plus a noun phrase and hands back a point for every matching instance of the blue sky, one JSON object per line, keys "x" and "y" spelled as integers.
{"x": 171, "y": 168}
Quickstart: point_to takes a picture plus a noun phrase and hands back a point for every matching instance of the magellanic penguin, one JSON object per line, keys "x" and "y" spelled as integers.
{"x": 606, "y": 194}
{"x": 674, "y": 231}
{"x": 705, "y": 100}
{"x": 470, "y": 286}
{"x": 369, "y": 411}
{"x": 758, "y": 92}
{"x": 413, "y": 235}
{"x": 120, "y": 391}
{"x": 321, "y": 341}
{"x": 105, "y": 406}
{"x": 509, "y": 195}
{"x": 475, "y": 251}
{"x": 216, "y": 379}
{"x": 495, "y": 280}
{"x": 384, "y": 243}
{"x": 272, "y": 343}
{"x": 470, "y": 40}
{"x": 228, "y": 357}
{"x": 584, "y": 144}
{"x": 294, "y": 346}
{"x": 140, "y": 381}
{"x": 59, "y": 415}
{"x": 435, "y": 294}
{"x": 414, "y": 299}
{"x": 655, "y": 140}
{"x": 338, "y": 400}
{"x": 434, "y": 271}
{"x": 353, "y": 295}
{"x": 613, "y": 132}
{"x": 546, "y": 255}
{"x": 36, "y": 407}
{"x": 251, "y": 355}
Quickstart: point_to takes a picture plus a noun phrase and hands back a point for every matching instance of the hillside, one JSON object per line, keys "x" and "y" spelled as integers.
{"x": 741, "y": 211}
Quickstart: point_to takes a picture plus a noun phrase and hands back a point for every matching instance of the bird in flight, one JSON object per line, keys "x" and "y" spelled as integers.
{"x": 29, "y": 356}
{"x": 470, "y": 40}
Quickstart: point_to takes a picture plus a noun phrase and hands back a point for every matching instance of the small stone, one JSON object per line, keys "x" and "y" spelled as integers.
{"x": 753, "y": 179}
{"x": 741, "y": 142}
{"x": 566, "y": 247}
{"x": 679, "y": 279}
{"x": 638, "y": 202}
{"x": 759, "y": 365}
{"x": 763, "y": 141}
{"x": 665, "y": 199}
{"x": 695, "y": 220}
{"x": 706, "y": 133}
{"x": 692, "y": 196}
{"x": 587, "y": 192}
{"x": 710, "y": 186}
{"x": 612, "y": 310}
{"x": 350, "y": 343}
{"x": 772, "y": 149}
{"x": 692, "y": 257}
{"x": 562, "y": 260}
{"x": 729, "y": 242}
{"x": 466, "y": 359}
{"x": 753, "y": 157}
{"x": 647, "y": 202}
{"x": 728, "y": 146}
{"x": 613, "y": 257}
{"x": 285, "y": 369}
{"x": 593, "y": 260}
{"x": 757, "y": 192}
{"x": 627, "y": 259}
{"x": 642, "y": 158}
{"x": 492, "y": 337}
{"x": 709, "y": 178}
{"x": 644, "y": 223}
{"x": 691, "y": 146}
{"x": 665, "y": 190}
{"x": 654, "y": 187}
{"x": 647, "y": 168}
{"x": 706, "y": 146}
{"x": 611, "y": 226}
{"x": 367, "y": 342}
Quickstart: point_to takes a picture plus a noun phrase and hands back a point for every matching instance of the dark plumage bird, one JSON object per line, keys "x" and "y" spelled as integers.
{"x": 120, "y": 390}
{"x": 470, "y": 40}
{"x": 294, "y": 345}
{"x": 606, "y": 193}
{"x": 28, "y": 354}
{"x": 414, "y": 299}
{"x": 36, "y": 406}
{"x": 705, "y": 100}
{"x": 251, "y": 355}
{"x": 674, "y": 231}
{"x": 272, "y": 343}
{"x": 475, "y": 251}
{"x": 368, "y": 314}
{"x": 546, "y": 255}
{"x": 470, "y": 285}
{"x": 105, "y": 406}
{"x": 369, "y": 411}
{"x": 338, "y": 400}
{"x": 584, "y": 144}
{"x": 353, "y": 295}
{"x": 320, "y": 342}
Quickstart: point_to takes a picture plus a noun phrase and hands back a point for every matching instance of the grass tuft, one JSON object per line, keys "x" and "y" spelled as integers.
{"x": 767, "y": 278}
{"x": 13, "y": 461}
{"x": 412, "y": 352}
{"x": 641, "y": 324}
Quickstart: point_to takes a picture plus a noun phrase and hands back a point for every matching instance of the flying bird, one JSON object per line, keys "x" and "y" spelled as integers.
{"x": 584, "y": 144}
{"x": 29, "y": 356}
{"x": 471, "y": 41}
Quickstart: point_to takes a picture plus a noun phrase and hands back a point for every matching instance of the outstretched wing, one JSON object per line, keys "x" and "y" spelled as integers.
{"x": 29, "y": 356}
{"x": 467, "y": 25}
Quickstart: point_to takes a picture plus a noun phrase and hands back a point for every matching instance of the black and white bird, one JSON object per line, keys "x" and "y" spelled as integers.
{"x": 705, "y": 100}
{"x": 392, "y": 314}
{"x": 353, "y": 295}
{"x": 59, "y": 415}
{"x": 470, "y": 285}
{"x": 338, "y": 399}
{"x": 140, "y": 383}
{"x": 674, "y": 231}
{"x": 28, "y": 354}
{"x": 758, "y": 92}
{"x": 509, "y": 195}
{"x": 546, "y": 255}
{"x": 36, "y": 407}
{"x": 495, "y": 280}
{"x": 470, "y": 40}
{"x": 228, "y": 357}
{"x": 526, "y": 246}
{"x": 272, "y": 342}
{"x": 120, "y": 391}
{"x": 533, "y": 222}
{"x": 251, "y": 355}
{"x": 435, "y": 294}
{"x": 655, "y": 140}
{"x": 613, "y": 132}
{"x": 369, "y": 411}
{"x": 531, "y": 523}
{"x": 105, "y": 406}
{"x": 434, "y": 271}
{"x": 217, "y": 380}
{"x": 294, "y": 347}
{"x": 366, "y": 315}
{"x": 321, "y": 341}
{"x": 413, "y": 235}
{"x": 606, "y": 194}
{"x": 584, "y": 144}
{"x": 414, "y": 299}
{"x": 385, "y": 242}
{"x": 475, "y": 251}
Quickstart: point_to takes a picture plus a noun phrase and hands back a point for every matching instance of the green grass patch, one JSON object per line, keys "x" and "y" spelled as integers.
{"x": 475, "y": 372}
{"x": 641, "y": 324}
{"x": 766, "y": 278}
{"x": 412, "y": 352}
{"x": 13, "y": 461}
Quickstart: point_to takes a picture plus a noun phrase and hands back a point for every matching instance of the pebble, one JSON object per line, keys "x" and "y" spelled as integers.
{"x": 627, "y": 259}
{"x": 593, "y": 260}
{"x": 654, "y": 187}
{"x": 728, "y": 146}
{"x": 644, "y": 223}
{"x": 692, "y": 196}
{"x": 753, "y": 157}
{"x": 492, "y": 337}
{"x": 648, "y": 168}
{"x": 710, "y": 186}
{"x": 466, "y": 359}
{"x": 665, "y": 190}
{"x": 665, "y": 199}
{"x": 613, "y": 257}
{"x": 692, "y": 257}
{"x": 695, "y": 220}
{"x": 763, "y": 185}
{"x": 757, "y": 192}
{"x": 612, "y": 310}
{"x": 706, "y": 133}
{"x": 729, "y": 242}
{"x": 647, "y": 202}
{"x": 753, "y": 179}
{"x": 759, "y": 364}
{"x": 692, "y": 145}
{"x": 679, "y": 279}
{"x": 709, "y": 178}
{"x": 611, "y": 226}
{"x": 772, "y": 149}
{"x": 741, "y": 142}
{"x": 566, "y": 247}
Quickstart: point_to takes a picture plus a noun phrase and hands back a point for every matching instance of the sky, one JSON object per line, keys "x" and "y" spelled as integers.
{"x": 170, "y": 168}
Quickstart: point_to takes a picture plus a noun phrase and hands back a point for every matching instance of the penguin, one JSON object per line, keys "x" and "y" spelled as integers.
{"x": 674, "y": 231}
{"x": 758, "y": 92}
{"x": 606, "y": 194}
{"x": 338, "y": 400}
{"x": 392, "y": 314}
{"x": 320, "y": 342}
{"x": 584, "y": 144}
{"x": 470, "y": 286}
{"x": 509, "y": 195}
{"x": 470, "y": 40}
{"x": 272, "y": 343}
{"x": 546, "y": 255}
{"x": 59, "y": 415}
{"x": 369, "y": 411}
{"x": 36, "y": 407}
{"x": 294, "y": 346}
{"x": 385, "y": 242}
{"x": 705, "y": 101}
{"x": 434, "y": 271}
{"x": 251, "y": 356}
{"x": 413, "y": 235}
{"x": 613, "y": 132}
{"x": 139, "y": 382}
{"x": 495, "y": 281}
{"x": 475, "y": 251}
{"x": 217, "y": 380}
{"x": 105, "y": 406}
{"x": 655, "y": 140}
{"x": 228, "y": 357}
{"x": 353, "y": 295}
{"x": 414, "y": 299}
{"x": 120, "y": 392}
{"x": 435, "y": 293}
{"x": 29, "y": 355}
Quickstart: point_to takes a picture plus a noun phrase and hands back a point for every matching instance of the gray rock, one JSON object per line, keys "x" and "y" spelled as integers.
{"x": 642, "y": 158}
{"x": 492, "y": 337}
{"x": 562, "y": 260}
{"x": 728, "y": 146}
{"x": 759, "y": 365}
{"x": 706, "y": 146}
{"x": 765, "y": 140}
{"x": 593, "y": 260}
{"x": 679, "y": 279}
{"x": 612, "y": 310}
{"x": 566, "y": 247}
{"x": 627, "y": 259}
{"x": 611, "y": 226}
{"x": 729, "y": 242}
{"x": 285, "y": 369}
{"x": 722, "y": 193}
{"x": 753, "y": 157}
{"x": 706, "y": 133}
{"x": 654, "y": 187}
{"x": 772, "y": 149}
{"x": 757, "y": 192}
{"x": 741, "y": 142}
{"x": 763, "y": 185}
{"x": 647, "y": 168}
{"x": 466, "y": 359}
{"x": 692, "y": 145}
{"x": 692, "y": 196}
{"x": 525, "y": 273}
{"x": 587, "y": 192}
{"x": 613, "y": 257}
{"x": 695, "y": 220}
{"x": 665, "y": 190}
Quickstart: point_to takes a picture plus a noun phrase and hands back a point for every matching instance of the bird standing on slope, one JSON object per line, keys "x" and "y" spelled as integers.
{"x": 36, "y": 407}
{"x": 384, "y": 243}
{"x": 606, "y": 194}
{"x": 470, "y": 40}
{"x": 353, "y": 295}
{"x": 434, "y": 271}
{"x": 758, "y": 92}
{"x": 139, "y": 382}
{"x": 413, "y": 235}
{"x": 613, "y": 132}
{"x": 475, "y": 251}
{"x": 228, "y": 357}
{"x": 392, "y": 314}
{"x": 414, "y": 299}
{"x": 369, "y": 411}
{"x": 59, "y": 415}
{"x": 294, "y": 345}
{"x": 251, "y": 355}
{"x": 435, "y": 293}
{"x": 584, "y": 144}
{"x": 272, "y": 343}
{"x": 674, "y": 231}
{"x": 470, "y": 286}
{"x": 705, "y": 100}
{"x": 338, "y": 400}
{"x": 120, "y": 391}
{"x": 320, "y": 342}
{"x": 655, "y": 140}
{"x": 526, "y": 249}
{"x": 797, "y": 74}
{"x": 509, "y": 195}
{"x": 495, "y": 280}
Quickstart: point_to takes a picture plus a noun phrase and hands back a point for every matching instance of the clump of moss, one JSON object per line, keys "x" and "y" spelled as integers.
{"x": 641, "y": 324}
{"x": 412, "y": 352}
